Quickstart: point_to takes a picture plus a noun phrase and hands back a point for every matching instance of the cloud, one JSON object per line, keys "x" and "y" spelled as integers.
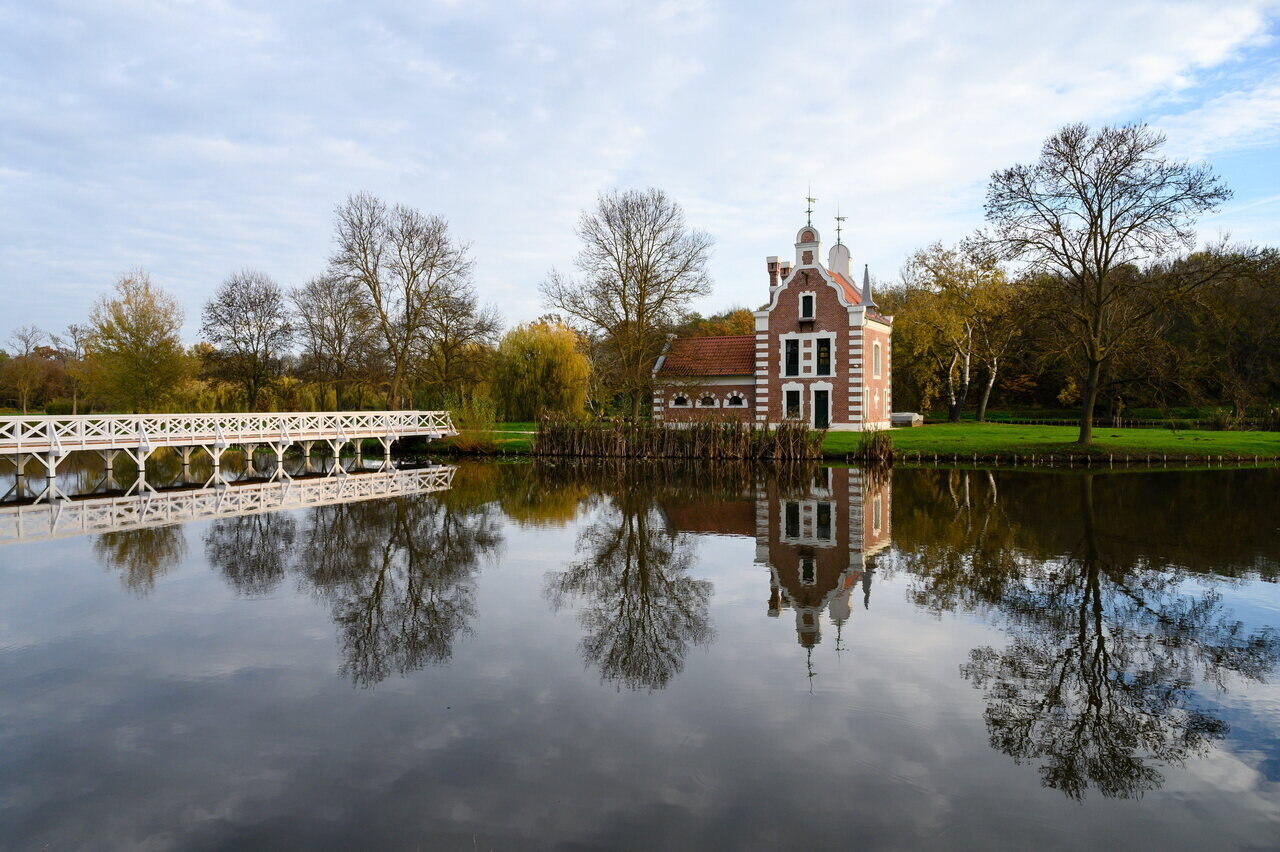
{"x": 205, "y": 137}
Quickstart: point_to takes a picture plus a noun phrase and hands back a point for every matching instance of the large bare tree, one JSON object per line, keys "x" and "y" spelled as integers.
{"x": 461, "y": 332}
{"x": 336, "y": 332}
{"x": 1091, "y": 209}
{"x": 639, "y": 266}
{"x": 406, "y": 264}
{"x": 248, "y": 320}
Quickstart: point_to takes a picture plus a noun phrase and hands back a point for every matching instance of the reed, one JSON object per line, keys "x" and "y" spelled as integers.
{"x": 875, "y": 447}
{"x": 712, "y": 439}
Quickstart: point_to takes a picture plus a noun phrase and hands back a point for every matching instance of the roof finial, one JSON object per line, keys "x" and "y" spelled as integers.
{"x": 866, "y": 286}
{"x": 809, "y": 211}
{"x": 839, "y": 220}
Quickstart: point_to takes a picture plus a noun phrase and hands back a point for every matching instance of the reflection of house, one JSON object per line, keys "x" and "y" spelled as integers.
{"x": 815, "y": 539}
{"x": 816, "y": 544}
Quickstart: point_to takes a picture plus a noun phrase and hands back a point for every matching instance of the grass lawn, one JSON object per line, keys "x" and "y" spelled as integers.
{"x": 991, "y": 439}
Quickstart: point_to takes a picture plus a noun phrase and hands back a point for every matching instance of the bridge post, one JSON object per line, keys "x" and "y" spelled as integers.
{"x": 306, "y": 450}
{"x": 186, "y": 455}
{"x": 109, "y": 459}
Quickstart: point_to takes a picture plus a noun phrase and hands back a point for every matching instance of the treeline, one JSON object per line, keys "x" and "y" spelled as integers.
{"x": 392, "y": 321}
{"x": 1086, "y": 288}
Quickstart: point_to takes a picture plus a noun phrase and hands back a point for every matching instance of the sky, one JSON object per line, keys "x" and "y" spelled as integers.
{"x": 195, "y": 139}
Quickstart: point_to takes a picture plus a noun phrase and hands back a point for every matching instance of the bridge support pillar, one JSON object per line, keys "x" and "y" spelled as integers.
{"x": 306, "y": 450}
{"x": 336, "y": 445}
{"x": 186, "y": 452}
{"x": 109, "y": 459}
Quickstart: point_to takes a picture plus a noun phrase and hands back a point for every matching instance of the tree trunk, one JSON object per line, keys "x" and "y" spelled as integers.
{"x": 1090, "y": 400}
{"x": 986, "y": 394}
{"x": 953, "y": 406}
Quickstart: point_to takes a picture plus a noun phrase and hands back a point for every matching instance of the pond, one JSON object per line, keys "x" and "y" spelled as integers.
{"x": 526, "y": 655}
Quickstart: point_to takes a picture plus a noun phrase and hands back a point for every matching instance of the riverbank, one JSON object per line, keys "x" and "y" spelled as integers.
{"x": 969, "y": 440}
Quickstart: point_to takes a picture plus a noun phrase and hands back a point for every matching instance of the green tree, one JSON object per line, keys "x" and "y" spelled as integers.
{"x": 136, "y": 356}
{"x": 542, "y": 368}
{"x": 1095, "y": 207}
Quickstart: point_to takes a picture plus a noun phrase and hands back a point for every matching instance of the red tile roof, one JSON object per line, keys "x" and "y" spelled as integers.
{"x": 711, "y": 356}
{"x": 850, "y": 292}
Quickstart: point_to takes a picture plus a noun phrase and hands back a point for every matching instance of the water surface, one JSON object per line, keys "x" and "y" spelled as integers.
{"x": 649, "y": 656}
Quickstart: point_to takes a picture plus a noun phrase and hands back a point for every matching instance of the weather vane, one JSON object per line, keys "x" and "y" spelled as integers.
{"x": 809, "y": 211}
{"x": 839, "y": 219}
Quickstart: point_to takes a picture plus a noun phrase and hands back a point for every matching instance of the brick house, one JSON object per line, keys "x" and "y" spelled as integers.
{"x": 820, "y": 354}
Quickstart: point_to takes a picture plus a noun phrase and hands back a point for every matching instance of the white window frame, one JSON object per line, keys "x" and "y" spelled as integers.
{"x": 675, "y": 404}
{"x": 813, "y": 408}
{"x": 698, "y": 401}
{"x": 812, "y": 296}
{"x": 875, "y": 359}
{"x": 798, "y": 388}
{"x": 728, "y": 400}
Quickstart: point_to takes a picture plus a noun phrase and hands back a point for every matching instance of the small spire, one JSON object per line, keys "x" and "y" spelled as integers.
{"x": 839, "y": 219}
{"x": 808, "y": 213}
{"x": 866, "y": 287}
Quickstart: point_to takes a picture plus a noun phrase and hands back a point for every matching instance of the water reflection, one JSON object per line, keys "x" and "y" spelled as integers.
{"x": 141, "y": 556}
{"x": 399, "y": 578}
{"x": 640, "y": 607}
{"x": 1101, "y": 681}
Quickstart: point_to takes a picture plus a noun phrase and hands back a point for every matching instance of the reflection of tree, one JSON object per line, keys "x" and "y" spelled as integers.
{"x": 252, "y": 551}
{"x": 642, "y": 610}
{"x": 141, "y": 555}
{"x": 1099, "y": 682}
{"x": 399, "y": 576}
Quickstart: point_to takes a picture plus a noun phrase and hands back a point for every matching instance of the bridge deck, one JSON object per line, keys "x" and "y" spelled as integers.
{"x": 147, "y": 432}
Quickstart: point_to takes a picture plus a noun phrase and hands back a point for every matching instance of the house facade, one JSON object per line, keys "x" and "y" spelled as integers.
{"x": 820, "y": 354}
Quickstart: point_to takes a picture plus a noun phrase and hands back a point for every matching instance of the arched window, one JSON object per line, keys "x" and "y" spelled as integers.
{"x": 707, "y": 401}
{"x": 736, "y": 401}
{"x": 875, "y": 360}
{"x": 680, "y": 401}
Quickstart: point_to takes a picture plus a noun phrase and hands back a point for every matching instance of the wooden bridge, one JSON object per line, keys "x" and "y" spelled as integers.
{"x": 61, "y": 518}
{"x": 49, "y": 440}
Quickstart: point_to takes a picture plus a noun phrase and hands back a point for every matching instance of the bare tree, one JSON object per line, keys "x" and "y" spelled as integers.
{"x": 1092, "y": 205}
{"x": 460, "y": 332}
{"x": 406, "y": 264}
{"x": 640, "y": 267}
{"x": 248, "y": 320}
{"x": 336, "y": 332}
{"x": 25, "y": 370}
{"x": 71, "y": 350}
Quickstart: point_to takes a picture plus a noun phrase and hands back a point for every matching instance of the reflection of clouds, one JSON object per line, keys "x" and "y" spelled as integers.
{"x": 226, "y": 719}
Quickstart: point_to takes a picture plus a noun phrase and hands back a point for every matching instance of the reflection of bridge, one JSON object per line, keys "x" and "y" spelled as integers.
{"x": 63, "y": 518}
{"x": 49, "y": 440}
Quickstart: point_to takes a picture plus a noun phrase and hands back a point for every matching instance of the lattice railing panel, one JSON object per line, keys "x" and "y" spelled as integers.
{"x": 21, "y": 434}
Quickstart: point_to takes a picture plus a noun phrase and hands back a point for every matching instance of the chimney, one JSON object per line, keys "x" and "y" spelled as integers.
{"x": 772, "y": 263}
{"x": 784, "y": 269}
{"x": 838, "y": 259}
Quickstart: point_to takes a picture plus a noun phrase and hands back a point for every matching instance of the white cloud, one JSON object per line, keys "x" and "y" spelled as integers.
{"x": 205, "y": 137}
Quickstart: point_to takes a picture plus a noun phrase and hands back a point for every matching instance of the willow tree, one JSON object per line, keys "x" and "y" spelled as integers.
{"x": 134, "y": 350}
{"x": 1092, "y": 208}
{"x": 542, "y": 368}
{"x": 640, "y": 266}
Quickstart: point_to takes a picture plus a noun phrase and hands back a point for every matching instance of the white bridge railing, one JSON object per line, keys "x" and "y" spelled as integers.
{"x": 40, "y": 521}
{"x": 21, "y": 435}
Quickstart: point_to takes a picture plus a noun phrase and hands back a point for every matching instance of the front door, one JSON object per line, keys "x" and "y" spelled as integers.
{"x": 821, "y": 414}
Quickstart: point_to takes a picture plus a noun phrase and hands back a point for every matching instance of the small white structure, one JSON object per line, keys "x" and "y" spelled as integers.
{"x": 907, "y": 418}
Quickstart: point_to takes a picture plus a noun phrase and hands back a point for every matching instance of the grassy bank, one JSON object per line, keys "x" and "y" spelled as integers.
{"x": 986, "y": 440}
{"x": 991, "y": 440}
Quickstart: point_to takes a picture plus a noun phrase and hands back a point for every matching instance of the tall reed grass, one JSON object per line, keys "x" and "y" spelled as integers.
{"x": 700, "y": 440}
